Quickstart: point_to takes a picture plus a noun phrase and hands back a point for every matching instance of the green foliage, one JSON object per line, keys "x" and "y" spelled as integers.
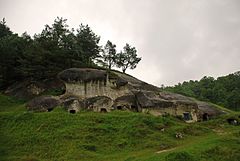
{"x": 128, "y": 58}
{"x": 56, "y": 48}
{"x": 119, "y": 135}
{"x": 223, "y": 152}
{"x": 4, "y": 29}
{"x": 12, "y": 48}
{"x": 224, "y": 91}
{"x": 179, "y": 156}
{"x": 10, "y": 104}
{"x": 63, "y": 136}
{"x": 87, "y": 41}
{"x": 109, "y": 55}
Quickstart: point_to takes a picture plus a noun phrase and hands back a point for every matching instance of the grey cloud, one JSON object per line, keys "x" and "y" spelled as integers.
{"x": 177, "y": 39}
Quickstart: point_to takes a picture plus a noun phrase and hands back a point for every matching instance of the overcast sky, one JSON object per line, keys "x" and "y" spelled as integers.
{"x": 177, "y": 39}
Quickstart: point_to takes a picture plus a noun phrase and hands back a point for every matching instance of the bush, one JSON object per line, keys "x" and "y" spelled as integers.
{"x": 179, "y": 156}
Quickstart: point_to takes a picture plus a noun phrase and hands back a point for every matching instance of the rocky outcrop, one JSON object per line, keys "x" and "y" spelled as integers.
{"x": 43, "y": 104}
{"x": 102, "y": 91}
{"x": 208, "y": 111}
{"x": 86, "y": 83}
{"x": 28, "y": 89}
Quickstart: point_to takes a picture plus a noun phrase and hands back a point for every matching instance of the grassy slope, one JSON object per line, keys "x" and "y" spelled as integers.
{"x": 59, "y": 135}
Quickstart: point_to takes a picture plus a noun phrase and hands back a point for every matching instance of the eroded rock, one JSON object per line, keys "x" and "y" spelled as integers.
{"x": 43, "y": 104}
{"x": 102, "y": 91}
{"x": 29, "y": 89}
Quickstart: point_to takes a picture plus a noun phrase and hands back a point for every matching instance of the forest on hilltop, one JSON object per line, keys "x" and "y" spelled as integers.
{"x": 54, "y": 49}
{"x": 224, "y": 91}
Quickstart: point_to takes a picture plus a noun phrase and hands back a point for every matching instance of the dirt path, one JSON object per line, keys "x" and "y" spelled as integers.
{"x": 165, "y": 150}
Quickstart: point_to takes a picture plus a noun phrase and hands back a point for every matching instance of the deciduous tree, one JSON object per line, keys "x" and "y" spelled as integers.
{"x": 127, "y": 58}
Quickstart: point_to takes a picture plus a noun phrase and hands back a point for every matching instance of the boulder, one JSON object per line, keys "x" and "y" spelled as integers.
{"x": 126, "y": 102}
{"x": 82, "y": 75}
{"x": 99, "y": 104}
{"x": 29, "y": 89}
{"x": 207, "y": 111}
{"x": 43, "y": 104}
{"x": 72, "y": 104}
{"x": 121, "y": 82}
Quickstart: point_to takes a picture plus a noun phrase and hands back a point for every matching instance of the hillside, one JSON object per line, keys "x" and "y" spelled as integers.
{"x": 71, "y": 109}
{"x": 224, "y": 91}
{"x": 118, "y": 135}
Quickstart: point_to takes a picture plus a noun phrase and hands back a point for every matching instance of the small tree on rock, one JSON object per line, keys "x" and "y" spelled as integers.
{"x": 127, "y": 58}
{"x": 109, "y": 54}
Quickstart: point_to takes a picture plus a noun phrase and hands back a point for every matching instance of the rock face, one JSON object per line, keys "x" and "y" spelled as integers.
{"x": 43, "y": 104}
{"x": 29, "y": 89}
{"x": 86, "y": 83}
{"x": 100, "y": 91}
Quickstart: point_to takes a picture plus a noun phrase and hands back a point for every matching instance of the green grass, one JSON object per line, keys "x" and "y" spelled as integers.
{"x": 119, "y": 135}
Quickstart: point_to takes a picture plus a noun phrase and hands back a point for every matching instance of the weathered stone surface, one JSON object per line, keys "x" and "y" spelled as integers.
{"x": 43, "y": 104}
{"x": 29, "y": 89}
{"x": 99, "y": 104}
{"x": 207, "y": 111}
{"x": 126, "y": 102}
{"x": 88, "y": 83}
{"x": 117, "y": 91}
{"x": 72, "y": 103}
{"x": 102, "y": 91}
{"x": 82, "y": 75}
{"x": 121, "y": 82}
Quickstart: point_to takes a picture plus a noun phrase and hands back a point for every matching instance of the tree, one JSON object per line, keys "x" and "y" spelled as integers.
{"x": 222, "y": 91}
{"x": 109, "y": 54}
{"x": 128, "y": 58}
{"x": 87, "y": 42}
{"x": 4, "y": 29}
{"x": 11, "y": 50}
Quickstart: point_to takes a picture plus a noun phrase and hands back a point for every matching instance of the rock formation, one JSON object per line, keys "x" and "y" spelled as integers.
{"x": 43, "y": 104}
{"x": 103, "y": 91}
{"x": 28, "y": 89}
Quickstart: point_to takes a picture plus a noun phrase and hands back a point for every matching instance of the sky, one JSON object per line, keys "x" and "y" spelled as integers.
{"x": 178, "y": 40}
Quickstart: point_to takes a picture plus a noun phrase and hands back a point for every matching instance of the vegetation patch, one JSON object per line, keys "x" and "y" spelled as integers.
{"x": 118, "y": 135}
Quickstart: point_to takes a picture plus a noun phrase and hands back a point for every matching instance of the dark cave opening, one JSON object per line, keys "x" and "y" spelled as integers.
{"x": 119, "y": 107}
{"x": 72, "y": 111}
{"x": 49, "y": 109}
{"x": 205, "y": 117}
{"x": 104, "y": 110}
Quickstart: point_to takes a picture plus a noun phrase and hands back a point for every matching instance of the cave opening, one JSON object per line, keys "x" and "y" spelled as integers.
{"x": 119, "y": 107}
{"x": 103, "y": 110}
{"x": 72, "y": 111}
{"x": 133, "y": 107}
{"x": 205, "y": 117}
{"x": 49, "y": 109}
{"x": 232, "y": 121}
{"x": 187, "y": 116}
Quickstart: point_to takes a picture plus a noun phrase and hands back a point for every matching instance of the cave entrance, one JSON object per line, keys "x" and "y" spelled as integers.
{"x": 103, "y": 110}
{"x": 187, "y": 116}
{"x": 205, "y": 117}
{"x": 49, "y": 109}
{"x": 72, "y": 111}
{"x": 119, "y": 107}
{"x": 232, "y": 121}
{"x": 133, "y": 107}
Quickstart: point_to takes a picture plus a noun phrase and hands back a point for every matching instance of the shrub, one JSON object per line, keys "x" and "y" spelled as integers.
{"x": 179, "y": 156}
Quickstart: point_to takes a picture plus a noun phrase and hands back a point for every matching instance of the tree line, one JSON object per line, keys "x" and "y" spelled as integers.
{"x": 224, "y": 91}
{"x": 57, "y": 48}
